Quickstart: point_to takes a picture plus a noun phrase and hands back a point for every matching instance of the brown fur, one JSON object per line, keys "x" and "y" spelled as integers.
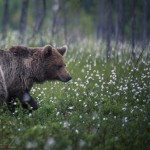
{"x": 20, "y": 67}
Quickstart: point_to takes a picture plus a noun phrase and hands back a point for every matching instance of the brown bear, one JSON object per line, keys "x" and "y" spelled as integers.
{"x": 21, "y": 67}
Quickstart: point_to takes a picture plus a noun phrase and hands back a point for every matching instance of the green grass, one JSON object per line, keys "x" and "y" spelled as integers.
{"x": 105, "y": 106}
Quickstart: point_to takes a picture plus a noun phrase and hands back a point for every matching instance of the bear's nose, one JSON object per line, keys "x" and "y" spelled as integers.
{"x": 69, "y": 78}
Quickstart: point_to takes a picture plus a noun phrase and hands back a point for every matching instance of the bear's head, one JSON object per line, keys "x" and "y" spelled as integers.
{"x": 47, "y": 61}
{"x": 53, "y": 63}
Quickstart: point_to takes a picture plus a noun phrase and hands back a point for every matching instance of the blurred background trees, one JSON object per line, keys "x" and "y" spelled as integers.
{"x": 5, "y": 17}
{"x": 108, "y": 20}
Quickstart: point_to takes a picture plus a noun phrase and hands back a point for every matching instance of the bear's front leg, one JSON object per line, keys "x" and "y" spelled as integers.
{"x": 11, "y": 104}
{"x": 26, "y": 100}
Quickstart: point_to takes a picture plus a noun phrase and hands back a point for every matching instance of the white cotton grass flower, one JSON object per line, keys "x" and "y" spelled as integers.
{"x": 66, "y": 124}
{"x": 49, "y": 143}
{"x": 76, "y": 131}
{"x": 81, "y": 143}
{"x": 31, "y": 145}
{"x": 71, "y": 107}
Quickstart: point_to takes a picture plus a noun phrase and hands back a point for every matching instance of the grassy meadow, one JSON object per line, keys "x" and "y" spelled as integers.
{"x": 105, "y": 106}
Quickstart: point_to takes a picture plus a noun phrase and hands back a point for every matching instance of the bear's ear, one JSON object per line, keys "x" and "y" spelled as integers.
{"x": 62, "y": 50}
{"x": 47, "y": 51}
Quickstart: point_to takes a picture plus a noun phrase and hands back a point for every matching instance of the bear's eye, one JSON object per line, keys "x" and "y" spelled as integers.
{"x": 58, "y": 67}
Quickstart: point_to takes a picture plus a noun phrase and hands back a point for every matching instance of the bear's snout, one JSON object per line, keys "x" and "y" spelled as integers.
{"x": 65, "y": 78}
{"x": 69, "y": 78}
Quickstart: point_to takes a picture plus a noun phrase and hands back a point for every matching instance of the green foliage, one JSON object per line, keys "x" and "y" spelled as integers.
{"x": 105, "y": 106}
{"x": 82, "y": 16}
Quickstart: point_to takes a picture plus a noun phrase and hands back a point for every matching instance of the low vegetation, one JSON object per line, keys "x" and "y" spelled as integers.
{"x": 105, "y": 106}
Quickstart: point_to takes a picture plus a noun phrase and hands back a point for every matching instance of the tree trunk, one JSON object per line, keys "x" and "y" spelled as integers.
{"x": 108, "y": 32}
{"x": 55, "y": 8}
{"x": 5, "y": 18}
{"x": 40, "y": 10}
{"x": 118, "y": 25}
{"x": 65, "y": 22}
{"x": 133, "y": 28}
{"x": 144, "y": 24}
{"x": 119, "y": 21}
{"x": 101, "y": 19}
{"x": 65, "y": 28}
{"x": 23, "y": 19}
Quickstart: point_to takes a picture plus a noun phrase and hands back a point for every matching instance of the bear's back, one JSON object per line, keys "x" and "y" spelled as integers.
{"x": 5, "y": 57}
{"x": 10, "y": 66}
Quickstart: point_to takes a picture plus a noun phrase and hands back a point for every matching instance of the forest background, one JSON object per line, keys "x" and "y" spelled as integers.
{"x": 108, "y": 20}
